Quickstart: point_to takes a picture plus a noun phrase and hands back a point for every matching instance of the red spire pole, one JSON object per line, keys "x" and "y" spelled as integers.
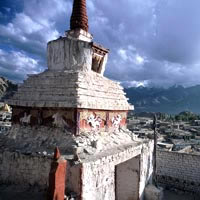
{"x": 79, "y": 18}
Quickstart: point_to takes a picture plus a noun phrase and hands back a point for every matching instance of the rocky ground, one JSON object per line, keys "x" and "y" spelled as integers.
{"x": 43, "y": 140}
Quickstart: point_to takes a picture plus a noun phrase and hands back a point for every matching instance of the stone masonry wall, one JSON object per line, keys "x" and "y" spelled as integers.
{"x": 24, "y": 170}
{"x": 28, "y": 170}
{"x": 31, "y": 170}
{"x": 99, "y": 176}
{"x": 178, "y": 170}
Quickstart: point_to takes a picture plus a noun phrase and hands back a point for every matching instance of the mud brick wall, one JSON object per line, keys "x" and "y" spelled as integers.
{"x": 33, "y": 170}
{"x": 178, "y": 170}
{"x": 25, "y": 170}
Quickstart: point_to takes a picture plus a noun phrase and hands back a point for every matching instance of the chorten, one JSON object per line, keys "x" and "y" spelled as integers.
{"x": 71, "y": 105}
{"x": 73, "y": 92}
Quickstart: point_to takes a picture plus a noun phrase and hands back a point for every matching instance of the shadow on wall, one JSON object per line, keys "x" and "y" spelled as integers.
{"x": 146, "y": 168}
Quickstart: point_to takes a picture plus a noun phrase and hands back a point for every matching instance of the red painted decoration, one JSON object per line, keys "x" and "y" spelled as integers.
{"x": 56, "y": 190}
{"x": 79, "y": 18}
{"x": 56, "y": 154}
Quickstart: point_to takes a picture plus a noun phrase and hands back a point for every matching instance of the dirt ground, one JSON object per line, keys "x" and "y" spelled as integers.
{"x": 14, "y": 193}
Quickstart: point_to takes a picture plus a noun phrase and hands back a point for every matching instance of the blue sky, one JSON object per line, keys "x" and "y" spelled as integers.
{"x": 152, "y": 42}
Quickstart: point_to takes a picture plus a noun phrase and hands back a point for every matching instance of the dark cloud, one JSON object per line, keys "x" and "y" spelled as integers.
{"x": 166, "y": 34}
{"x": 152, "y": 42}
{"x": 177, "y": 32}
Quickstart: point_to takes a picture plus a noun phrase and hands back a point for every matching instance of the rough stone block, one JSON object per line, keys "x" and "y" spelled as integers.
{"x": 151, "y": 192}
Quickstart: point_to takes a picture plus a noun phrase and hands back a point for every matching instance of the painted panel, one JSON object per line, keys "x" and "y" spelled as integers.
{"x": 73, "y": 119}
{"x": 48, "y": 117}
{"x": 93, "y": 120}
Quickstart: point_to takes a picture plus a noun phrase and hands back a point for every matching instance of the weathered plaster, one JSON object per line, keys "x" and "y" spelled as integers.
{"x": 68, "y": 54}
{"x": 99, "y": 174}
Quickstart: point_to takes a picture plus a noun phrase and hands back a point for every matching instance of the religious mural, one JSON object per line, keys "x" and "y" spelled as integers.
{"x": 47, "y": 117}
{"x": 102, "y": 120}
{"x": 26, "y": 119}
{"x": 71, "y": 119}
{"x": 117, "y": 120}
{"x": 92, "y": 120}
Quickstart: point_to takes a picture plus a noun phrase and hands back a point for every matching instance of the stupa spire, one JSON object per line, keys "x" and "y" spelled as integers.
{"x": 79, "y": 18}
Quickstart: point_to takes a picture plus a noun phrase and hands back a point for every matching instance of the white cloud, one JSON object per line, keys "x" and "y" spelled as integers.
{"x": 16, "y": 65}
{"x": 28, "y": 33}
{"x": 122, "y": 53}
{"x": 130, "y": 56}
{"x": 128, "y": 84}
{"x": 139, "y": 59}
{"x": 31, "y": 29}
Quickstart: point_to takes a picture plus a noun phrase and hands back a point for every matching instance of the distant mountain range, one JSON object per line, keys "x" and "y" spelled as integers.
{"x": 172, "y": 100}
{"x": 7, "y": 88}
